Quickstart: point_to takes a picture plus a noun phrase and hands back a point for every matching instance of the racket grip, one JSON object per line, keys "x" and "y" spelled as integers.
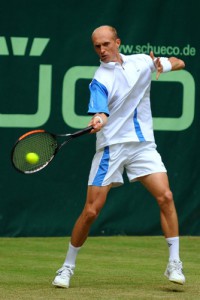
{"x": 82, "y": 131}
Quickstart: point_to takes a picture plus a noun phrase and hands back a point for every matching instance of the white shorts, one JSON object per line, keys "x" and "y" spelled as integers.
{"x": 137, "y": 158}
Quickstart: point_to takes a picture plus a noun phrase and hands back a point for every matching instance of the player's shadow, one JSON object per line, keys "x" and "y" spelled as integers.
{"x": 172, "y": 290}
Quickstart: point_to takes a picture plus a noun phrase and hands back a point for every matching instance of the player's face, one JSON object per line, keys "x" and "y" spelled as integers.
{"x": 106, "y": 46}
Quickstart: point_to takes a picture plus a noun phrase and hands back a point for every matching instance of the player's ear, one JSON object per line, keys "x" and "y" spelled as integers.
{"x": 118, "y": 42}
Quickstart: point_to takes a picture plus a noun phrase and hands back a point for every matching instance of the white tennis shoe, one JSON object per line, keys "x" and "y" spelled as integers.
{"x": 63, "y": 276}
{"x": 174, "y": 272}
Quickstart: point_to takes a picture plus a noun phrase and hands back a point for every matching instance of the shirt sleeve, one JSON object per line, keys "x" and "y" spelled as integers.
{"x": 98, "y": 98}
{"x": 149, "y": 61}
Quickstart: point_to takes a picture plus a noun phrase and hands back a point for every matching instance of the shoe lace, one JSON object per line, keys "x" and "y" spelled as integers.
{"x": 176, "y": 266}
{"x": 65, "y": 271}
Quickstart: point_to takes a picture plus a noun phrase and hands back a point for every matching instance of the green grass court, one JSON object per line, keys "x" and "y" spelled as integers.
{"x": 112, "y": 268}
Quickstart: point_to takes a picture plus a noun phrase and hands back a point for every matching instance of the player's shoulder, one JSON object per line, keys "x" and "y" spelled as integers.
{"x": 141, "y": 60}
{"x": 138, "y": 57}
{"x": 104, "y": 73}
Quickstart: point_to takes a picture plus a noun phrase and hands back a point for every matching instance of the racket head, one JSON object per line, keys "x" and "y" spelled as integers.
{"x": 39, "y": 142}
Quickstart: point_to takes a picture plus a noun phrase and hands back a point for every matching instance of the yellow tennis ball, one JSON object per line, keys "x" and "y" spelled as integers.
{"x": 32, "y": 158}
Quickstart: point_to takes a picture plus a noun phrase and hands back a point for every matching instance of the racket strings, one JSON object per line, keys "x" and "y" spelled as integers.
{"x": 42, "y": 144}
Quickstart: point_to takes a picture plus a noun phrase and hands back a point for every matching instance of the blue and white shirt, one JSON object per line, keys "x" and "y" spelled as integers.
{"x": 123, "y": 93}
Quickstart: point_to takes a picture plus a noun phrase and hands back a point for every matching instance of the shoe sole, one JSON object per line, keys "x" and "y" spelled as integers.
{"x": 174, "y": 280}
{"x": 60, "y": 285}
{"x": 177, "y": 282}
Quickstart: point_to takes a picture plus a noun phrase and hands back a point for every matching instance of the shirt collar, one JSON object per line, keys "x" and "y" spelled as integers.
{"x": 112, "y": 64}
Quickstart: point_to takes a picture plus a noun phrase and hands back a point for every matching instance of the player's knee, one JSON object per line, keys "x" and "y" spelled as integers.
{"x": 165, "y": 199}
{"x": 90, "y": 215}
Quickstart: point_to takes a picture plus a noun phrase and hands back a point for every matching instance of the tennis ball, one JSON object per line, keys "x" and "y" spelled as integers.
{"x": 32, "y": 158}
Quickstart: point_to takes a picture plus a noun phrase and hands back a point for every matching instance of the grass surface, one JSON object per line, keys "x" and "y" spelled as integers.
{"x": 109, "y": 268}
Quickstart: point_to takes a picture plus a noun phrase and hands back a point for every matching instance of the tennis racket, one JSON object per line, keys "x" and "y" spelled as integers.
{"x": 35, "y": 149}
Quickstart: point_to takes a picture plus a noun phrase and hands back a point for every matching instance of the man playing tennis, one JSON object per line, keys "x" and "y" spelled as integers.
{"x": 120, "y": 105}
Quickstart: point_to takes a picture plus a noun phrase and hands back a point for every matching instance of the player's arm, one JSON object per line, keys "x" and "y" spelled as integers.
{"x": 98, "y": 105}
{"x": 177, "y": 64}
{"x": 166, "y": 64}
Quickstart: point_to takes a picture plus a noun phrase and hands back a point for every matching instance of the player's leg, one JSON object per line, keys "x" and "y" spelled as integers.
{"x": 157, "y": 184}
{"x": 96, "y": 198}
{"x": 106, "y": 171}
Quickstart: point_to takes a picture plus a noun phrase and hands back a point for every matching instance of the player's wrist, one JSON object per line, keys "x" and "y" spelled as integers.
{"x": 100, "y": 119}
{"x": 166, "y": 64}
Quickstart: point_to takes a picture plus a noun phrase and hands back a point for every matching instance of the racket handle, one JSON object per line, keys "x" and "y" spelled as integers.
{"x": 82, "y": 131}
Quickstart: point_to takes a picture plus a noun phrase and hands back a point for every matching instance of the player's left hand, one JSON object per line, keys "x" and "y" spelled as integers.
{"x": 157, "y": 63}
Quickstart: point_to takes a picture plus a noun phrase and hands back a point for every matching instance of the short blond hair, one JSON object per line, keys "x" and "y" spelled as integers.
{"x": 111, "y": 28}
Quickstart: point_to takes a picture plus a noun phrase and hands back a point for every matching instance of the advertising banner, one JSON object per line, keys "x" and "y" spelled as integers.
{"x": 46, "y": 64}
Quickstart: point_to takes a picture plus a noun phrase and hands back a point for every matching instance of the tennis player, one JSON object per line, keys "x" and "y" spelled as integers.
{"x": 121, "y": 118}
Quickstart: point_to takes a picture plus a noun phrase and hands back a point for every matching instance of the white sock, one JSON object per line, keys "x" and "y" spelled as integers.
{"x": 173, "y": 244}
{"x": 70, "y": 259}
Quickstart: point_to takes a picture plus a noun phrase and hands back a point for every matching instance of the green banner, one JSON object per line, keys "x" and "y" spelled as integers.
{"x": 46, "y": 63}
